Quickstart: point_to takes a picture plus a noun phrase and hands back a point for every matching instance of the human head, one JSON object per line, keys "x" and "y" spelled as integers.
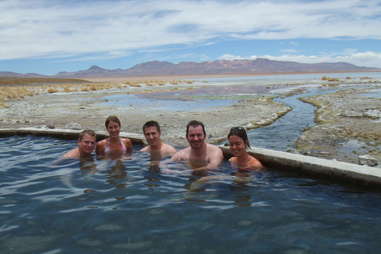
{"x": 195, "y": 134}
{"x": 195, "y": 123}
{"x": 151, "y": 124}
{"x": 151, "y": 131}
{"x": 112, "y": 124}
{"x": 86, "y": 142}
{"x": 241, "y": 133}
{"x": 112, "y": 118}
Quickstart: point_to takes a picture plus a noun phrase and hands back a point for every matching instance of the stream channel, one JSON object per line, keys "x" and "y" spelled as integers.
{"x": 283, "y": 133}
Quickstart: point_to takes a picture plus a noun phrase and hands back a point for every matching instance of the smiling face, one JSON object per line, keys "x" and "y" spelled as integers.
{"x": 237, "y": 145}
{"x": 152, "y": 135}
{"x": 113, "y": 128}
{"x": 86, "y": 145}
{"x": 196, "y": 137}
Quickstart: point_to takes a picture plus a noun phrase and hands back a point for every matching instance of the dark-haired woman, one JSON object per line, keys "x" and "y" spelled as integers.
{"x": 241, "y": 159}
{"x": 113, "y": 147}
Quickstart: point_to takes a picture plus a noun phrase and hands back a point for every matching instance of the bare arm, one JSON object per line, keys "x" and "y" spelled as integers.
{"x": 128, "y": 145}
{"x": 215, "y": 157}
{"x": 181, "y": 155}
{"x": 169, "y": 150}
{"x": 100, "y": 148}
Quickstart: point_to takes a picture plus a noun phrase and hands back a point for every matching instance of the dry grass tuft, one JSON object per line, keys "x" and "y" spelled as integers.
{"x": 325, "y": 78}
{"x": 18, "y": 88}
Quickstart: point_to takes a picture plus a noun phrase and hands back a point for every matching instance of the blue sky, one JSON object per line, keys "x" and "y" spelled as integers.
{"x": 48, "y": 36}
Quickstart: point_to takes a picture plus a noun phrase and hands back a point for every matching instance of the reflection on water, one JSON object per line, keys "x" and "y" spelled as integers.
{"x": 139, "y": 207}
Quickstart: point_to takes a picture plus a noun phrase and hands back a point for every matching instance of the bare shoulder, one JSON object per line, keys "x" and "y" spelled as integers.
{"x": 102, "y": 142}
{"x": 214, "y": 150}
{"x": 127, "y": 142}
{"x": 72, "y": 154}
{"x": 181, "y": 155}
{"x": 100, "y": 148}
{"x": 168, "y": 149}
{"x": 145, "y": 149}
{"x": 255, "y": 163}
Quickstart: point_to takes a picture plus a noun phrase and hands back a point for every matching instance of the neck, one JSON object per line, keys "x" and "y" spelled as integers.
{"x": 114, "y": 139}
{"x": 84, "y": 154}
{"x": 200, "y": 151}
{"x": 243, "y": 158}
{"x": 156, "y": 147}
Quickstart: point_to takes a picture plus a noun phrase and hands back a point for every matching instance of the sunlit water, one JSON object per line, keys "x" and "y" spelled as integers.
{"x": 109, "y": 207}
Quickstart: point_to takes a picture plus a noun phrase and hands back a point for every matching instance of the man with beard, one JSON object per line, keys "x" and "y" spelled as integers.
{"x": 200, "y": 155}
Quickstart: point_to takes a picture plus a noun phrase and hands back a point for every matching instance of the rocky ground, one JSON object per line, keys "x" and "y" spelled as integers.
{"x": 87, "y": 110}
{"x": 348, "y": 126}
{"x": 347, "y": 123}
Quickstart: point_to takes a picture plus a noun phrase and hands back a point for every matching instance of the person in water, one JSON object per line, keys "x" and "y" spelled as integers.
{"x": 241, "y": 159}
{"x": 113, "y": 147}
{"x": 86, "y": 146}
{"x": 200, "y": 155}
{"x": 156, "y": 147}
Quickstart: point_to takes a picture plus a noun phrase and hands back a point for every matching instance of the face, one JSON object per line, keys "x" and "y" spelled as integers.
{"x": 87, "y": 144}
{"x": 237, "y": 145}
{"x": 113, "y": 129}
{"x": 152, "y": 135}
{"x": 196, "y": 137}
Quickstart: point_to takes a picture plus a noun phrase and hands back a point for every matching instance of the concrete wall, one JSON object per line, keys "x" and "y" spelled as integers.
{"x": 312, "y": 166}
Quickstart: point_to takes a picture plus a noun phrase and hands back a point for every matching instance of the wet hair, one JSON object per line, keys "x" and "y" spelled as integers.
{"x": 112, "y": 119}
{"x": 86, "y": 132}
{"x": 195, "y": 123}
{"x": 152, "y": 124}
{"x": 240, "y": 132}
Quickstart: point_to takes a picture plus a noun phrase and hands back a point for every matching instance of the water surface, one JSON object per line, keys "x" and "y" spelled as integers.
{"x": 130, "y": 207}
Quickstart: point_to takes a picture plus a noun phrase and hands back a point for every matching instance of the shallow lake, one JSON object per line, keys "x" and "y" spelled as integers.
{"x": 129, "y": 100}
{"x": 49, "y": 206}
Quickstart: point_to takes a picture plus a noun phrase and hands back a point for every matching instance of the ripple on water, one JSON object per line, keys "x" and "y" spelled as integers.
{"x": 128, "y": 208}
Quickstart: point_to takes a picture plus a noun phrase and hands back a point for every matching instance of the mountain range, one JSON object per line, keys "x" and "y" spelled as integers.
{"x": 161, "y": 68}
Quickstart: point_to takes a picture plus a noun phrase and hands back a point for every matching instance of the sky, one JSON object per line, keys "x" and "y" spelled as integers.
{"x": 49, "y": 36}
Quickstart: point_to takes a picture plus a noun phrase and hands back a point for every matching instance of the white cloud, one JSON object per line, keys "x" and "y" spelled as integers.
{"x": 367, "y": 59}
{"x": 52, "y": 28}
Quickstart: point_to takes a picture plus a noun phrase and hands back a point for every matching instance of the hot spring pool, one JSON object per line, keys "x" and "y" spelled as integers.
{"x": 50, "y": 208}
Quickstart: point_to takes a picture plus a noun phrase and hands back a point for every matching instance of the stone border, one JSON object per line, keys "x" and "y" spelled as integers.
{"x": 66, "y": 134}
{"x": 317, "y": 167}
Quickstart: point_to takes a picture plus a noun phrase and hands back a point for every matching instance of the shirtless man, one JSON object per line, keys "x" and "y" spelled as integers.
{"x": 86, "y": 145}
{"x": 156, "y": 147}
{"x": 200, "y": 155}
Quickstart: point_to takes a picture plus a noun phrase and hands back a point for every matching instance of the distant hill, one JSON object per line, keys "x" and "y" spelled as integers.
{"x": 257, "y": 66}
{"x": 15, "y": 74}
